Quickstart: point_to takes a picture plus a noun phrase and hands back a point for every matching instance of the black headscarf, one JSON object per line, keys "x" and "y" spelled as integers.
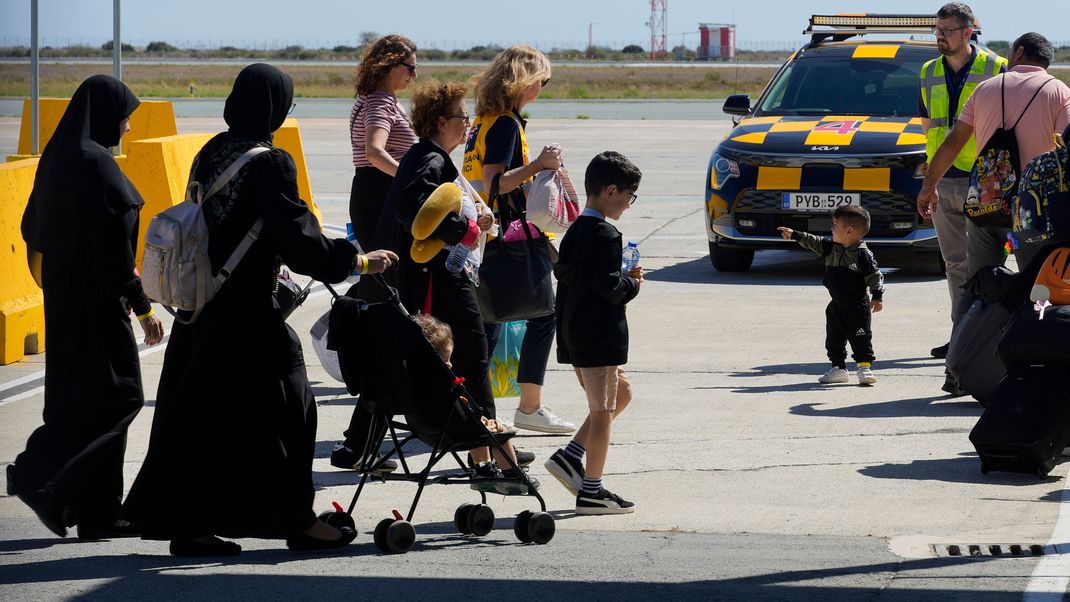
{"x": 259, "y": 102}
{"x": 77, "y": 177}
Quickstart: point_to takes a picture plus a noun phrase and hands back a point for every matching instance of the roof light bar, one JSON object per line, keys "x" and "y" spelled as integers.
{"x": 869, "y": 20}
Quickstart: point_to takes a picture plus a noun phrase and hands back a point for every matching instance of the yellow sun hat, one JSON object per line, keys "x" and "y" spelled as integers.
{"x": 444, "y": 200}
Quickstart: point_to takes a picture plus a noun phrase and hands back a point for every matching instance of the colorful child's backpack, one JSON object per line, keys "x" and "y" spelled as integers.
{"x": 1041, "y": 210}
{"x": 995, "y": 177}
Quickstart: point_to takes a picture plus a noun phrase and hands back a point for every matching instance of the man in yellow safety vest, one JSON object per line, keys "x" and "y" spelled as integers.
{"x": 946, "y": 84}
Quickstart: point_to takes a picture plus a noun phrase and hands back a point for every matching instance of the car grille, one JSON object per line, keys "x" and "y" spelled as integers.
{"x": 764, "y": 208}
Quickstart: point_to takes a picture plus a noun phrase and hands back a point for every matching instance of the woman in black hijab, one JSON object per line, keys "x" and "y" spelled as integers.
{"x": 82, "y": 217}
{"x": 234, "y": 431}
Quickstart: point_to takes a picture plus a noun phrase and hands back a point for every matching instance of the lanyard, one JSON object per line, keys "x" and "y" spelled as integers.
{"x": 952, "y": 111}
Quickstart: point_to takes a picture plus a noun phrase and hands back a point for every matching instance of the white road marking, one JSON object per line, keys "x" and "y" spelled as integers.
{"x": 40, "y": 375}
{"x": 1051, "y": 577}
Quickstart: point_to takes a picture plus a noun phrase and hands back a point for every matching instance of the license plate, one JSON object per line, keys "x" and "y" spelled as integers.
{"x": 819, "y": 201}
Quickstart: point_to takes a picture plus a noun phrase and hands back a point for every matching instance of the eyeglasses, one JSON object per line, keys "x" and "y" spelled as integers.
{"x": 943, "y": 33}
{"x": 632, "y": 200}
{"x": 292, "y": 107}
{"x": 411, "y": 68}
{"x": 545, "y": 81}
{"x": 466, "y": 118}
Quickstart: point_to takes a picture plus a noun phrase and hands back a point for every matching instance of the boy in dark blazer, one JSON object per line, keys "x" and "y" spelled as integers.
{"x": 592, "y": 330}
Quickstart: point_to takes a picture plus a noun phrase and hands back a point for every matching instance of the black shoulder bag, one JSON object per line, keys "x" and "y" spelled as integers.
{"x": 515, "y": 280}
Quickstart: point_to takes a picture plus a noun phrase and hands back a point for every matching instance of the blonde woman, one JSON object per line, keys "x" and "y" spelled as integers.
{"x": 498, "y": 145}
{"x": 379, "y": 129}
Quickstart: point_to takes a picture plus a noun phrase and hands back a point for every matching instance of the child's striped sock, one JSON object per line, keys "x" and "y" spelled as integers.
{"x": 591, "y": 486}
{"x": 575, "y": 450}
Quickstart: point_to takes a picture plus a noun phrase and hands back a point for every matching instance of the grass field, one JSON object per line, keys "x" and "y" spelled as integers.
{"x": 211, "y": 80}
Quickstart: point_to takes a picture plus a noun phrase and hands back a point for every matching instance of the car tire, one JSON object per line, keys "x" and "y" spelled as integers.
{"x": 726, "y": 259}
{"x": 941, "y": 267}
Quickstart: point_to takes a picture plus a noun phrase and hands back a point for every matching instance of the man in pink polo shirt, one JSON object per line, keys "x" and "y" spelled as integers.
{"x": 985, "y": 112}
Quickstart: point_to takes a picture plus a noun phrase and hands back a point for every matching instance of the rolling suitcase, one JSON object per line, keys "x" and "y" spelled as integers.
{"x": 971, "y": 355}
{"x": 1027, "y": 424}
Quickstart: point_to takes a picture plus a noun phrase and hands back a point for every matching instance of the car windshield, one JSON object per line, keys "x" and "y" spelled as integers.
{"x": 841, "y": 85}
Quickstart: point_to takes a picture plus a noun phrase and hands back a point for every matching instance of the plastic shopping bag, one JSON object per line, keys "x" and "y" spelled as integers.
{"x": 505, "y": 361}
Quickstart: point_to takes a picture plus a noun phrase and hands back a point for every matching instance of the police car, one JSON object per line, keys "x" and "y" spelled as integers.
{"x": 837, "y": 125}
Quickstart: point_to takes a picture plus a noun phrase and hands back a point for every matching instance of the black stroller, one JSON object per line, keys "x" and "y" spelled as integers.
{"x": 386, "y": 359}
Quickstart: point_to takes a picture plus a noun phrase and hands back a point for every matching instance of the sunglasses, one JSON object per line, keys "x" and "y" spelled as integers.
{"x": 411, "y": 68}
{"x": 292, "y": 107}
{"x": 545, "y": 81}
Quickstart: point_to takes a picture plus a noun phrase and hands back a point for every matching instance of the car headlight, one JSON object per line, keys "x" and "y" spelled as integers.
{"x": 722, "y": 169}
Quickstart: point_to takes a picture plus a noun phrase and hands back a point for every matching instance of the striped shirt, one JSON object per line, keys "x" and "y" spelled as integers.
{"x": 383, "y": 110}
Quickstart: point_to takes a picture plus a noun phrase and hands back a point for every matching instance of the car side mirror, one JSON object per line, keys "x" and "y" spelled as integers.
{"x": 737, "y": 104}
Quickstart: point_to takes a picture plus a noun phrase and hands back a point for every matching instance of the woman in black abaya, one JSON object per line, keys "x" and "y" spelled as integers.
{"x": 82, "y": 217}
{"x": 234, "y": 431}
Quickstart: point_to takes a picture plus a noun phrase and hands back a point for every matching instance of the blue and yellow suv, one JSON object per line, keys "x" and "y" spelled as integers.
{"x": 838, "y": 124}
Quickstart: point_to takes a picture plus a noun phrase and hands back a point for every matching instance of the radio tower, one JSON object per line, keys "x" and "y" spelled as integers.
{"x": 659, "y": 28}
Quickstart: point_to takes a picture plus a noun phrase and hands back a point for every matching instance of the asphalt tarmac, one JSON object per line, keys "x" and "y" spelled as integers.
{"x": 751, "y": 480}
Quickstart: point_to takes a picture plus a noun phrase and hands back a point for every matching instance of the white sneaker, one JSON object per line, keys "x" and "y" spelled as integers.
{"x": 835, "y": 375}
{"x": 543, "y": 421}
{"x": 865, "y": 376}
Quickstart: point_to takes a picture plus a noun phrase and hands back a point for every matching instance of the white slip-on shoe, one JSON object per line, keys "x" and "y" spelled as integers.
{"x": 543, "y": 421}
{"x": 835, "y": 375}
{"x": 865, "y": 376}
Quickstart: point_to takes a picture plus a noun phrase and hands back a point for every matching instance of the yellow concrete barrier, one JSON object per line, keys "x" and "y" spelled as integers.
{"x": 22, "y": 309}
{"x": 152, "y": 119}
{"x": 159, "y": 169}
{"x": 288, "y": 138}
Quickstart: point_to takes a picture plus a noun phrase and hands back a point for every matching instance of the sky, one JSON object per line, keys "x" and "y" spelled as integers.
{"x": 772, "y": 24}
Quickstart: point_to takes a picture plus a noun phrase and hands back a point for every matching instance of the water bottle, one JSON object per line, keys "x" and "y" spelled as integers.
{"x": 630, "y": 257}
{"x": 458, "y": 255}
{"x": 351, "y": 236}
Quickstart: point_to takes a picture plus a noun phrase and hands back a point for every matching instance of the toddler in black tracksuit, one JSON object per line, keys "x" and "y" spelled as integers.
{"x": 851, "y": 276}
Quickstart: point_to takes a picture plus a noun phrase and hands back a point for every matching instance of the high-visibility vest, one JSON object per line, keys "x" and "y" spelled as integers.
{"x": 936, "y": 99}
{"x": 476, "y": 149}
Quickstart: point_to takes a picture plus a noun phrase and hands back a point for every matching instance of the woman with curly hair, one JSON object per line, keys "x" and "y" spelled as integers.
{"x": 379, "y": 129}
{"x": 497, "y": 146}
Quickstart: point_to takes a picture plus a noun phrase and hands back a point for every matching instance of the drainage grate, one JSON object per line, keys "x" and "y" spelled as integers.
{"x": 1009, "y": 550}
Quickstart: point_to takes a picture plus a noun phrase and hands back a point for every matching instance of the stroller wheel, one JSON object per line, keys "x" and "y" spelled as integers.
{"x": 460, "y": 518}
{"x": 480, "y": 519}
{"x": 520, "y": 526}
{"x": 380, "y": 534}
{"x": 338, "y": 519}
{"x": 400, "y": 536}
{"x": 541, "y": 527}
{"x": 984, "y": 468}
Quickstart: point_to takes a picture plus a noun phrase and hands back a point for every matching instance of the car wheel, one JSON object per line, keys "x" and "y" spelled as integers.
{"x": 725, "y": 259}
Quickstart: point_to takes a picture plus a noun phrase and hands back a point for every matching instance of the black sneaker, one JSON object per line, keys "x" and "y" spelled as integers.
{"x": 567, "y": 470}
{"x": 602, "y": 502}
{"x": 940, "y": 352}
{"x": 347, "y": 459}
{"x": 523, "y": 458}
{"x": 110, "y": 530}
{"x": 490, "y": 470}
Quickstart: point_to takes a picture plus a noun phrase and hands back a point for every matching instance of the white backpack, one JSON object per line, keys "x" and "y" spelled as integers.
{"x": 176, "y": 271}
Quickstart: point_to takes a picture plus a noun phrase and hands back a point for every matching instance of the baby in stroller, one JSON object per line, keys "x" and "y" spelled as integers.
{"x": 440, "y": 335}
{"x": 397, "y": 370}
